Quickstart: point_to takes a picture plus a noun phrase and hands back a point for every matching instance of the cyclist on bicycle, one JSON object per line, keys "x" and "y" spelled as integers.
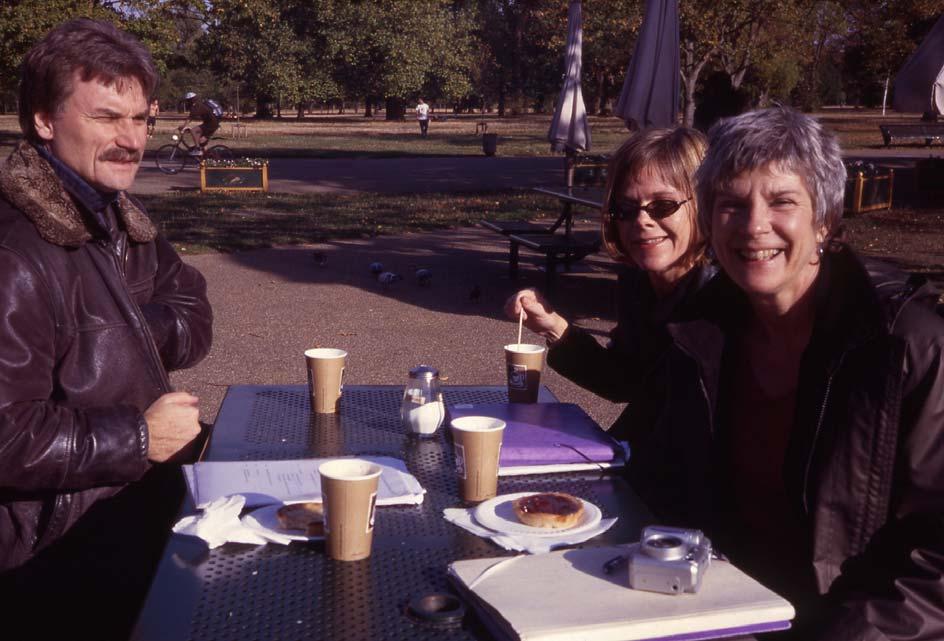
{"x": 200, "y": 110}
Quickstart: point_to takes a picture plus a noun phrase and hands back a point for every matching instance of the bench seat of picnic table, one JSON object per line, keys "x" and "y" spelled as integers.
{"x": 928, "y": 132}
{"x": 557, "y": 249}
{"x": 509, "y": 227}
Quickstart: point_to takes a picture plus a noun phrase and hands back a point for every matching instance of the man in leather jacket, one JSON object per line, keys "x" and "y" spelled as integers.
{"x": 96, "y": 309}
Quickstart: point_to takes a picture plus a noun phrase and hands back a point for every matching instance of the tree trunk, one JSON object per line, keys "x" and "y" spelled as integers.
{"x": 263, "y": 106}
{"x": 690, "y": 79}
{"x": 601, "y": 93}
{"x": 517, "y": 69}
{"x": 395, "y": 108}
{"x": 368, "y": 108}
{"x": 301, "y": 111}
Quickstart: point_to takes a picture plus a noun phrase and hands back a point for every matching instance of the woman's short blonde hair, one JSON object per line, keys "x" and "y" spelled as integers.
{"x": 673, "y": 155}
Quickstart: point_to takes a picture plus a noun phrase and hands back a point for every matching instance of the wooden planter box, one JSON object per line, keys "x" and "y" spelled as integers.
{"x": 234, "y": 178}
{"x": 869, "y": 193}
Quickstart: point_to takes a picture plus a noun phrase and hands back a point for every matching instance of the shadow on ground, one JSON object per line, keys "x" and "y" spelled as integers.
{"x": 469, "y": 268}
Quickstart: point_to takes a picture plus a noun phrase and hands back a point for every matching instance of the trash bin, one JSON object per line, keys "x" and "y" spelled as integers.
{"x": 489, "y": 144}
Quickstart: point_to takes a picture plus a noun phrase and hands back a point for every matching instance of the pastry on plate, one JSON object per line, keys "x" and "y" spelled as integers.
{"x": 553, "y": 510}
{"x": 302, "y": 516}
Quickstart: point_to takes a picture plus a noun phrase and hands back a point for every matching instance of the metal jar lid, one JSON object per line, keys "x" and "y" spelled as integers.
{"x": 424, "y": 372}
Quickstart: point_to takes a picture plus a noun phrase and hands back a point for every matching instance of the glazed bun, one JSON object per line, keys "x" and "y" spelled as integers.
{"x": 301, "y": 516}
{"x": 554, "y": 510}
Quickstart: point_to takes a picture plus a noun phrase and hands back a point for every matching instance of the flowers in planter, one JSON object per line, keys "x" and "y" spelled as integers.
{"x": 247, "y": 163}
{"x": 867, "y": 169}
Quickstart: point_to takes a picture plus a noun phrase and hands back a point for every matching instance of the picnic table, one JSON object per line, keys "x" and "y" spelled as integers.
{"x": 237, "y": 592}
{"x": 558, "y": 248}
{"x": 928, "y": 132}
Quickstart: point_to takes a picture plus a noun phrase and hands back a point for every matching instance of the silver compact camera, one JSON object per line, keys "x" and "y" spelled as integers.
{"x": 669, "y": 560}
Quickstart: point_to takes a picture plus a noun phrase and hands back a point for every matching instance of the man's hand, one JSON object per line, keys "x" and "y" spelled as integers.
{"x": 173, "y": 426}
{"x": 539, "y": 316}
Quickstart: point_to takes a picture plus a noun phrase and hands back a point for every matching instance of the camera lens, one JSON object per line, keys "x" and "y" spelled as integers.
{"x": 664, "y": 547}
{"x": 665, "y": 542}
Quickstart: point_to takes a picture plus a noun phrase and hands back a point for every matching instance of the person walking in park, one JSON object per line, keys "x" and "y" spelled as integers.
{"x": 422, "y": 115}
{"x": 97, "y": 308}
{"x": 153, "y": 110}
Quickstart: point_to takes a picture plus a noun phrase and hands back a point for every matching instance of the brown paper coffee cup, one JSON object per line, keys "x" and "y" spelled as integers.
{"x": 325, "y": 374}
{"x": 349, "y": 491}
{"x": 524, "y": 363}
{"x": 477, "y": 443}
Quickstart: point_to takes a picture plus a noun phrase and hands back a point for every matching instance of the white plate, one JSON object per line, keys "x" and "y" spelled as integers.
{"x": 498, "y": 514}
{"x": 264, "y": 519}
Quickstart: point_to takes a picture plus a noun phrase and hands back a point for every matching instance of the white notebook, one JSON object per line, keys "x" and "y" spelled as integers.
{"x": 566, "y": 596}
{"x": 290, "y": 481}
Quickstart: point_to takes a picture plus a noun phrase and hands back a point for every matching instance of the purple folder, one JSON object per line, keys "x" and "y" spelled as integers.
{"x": 546, "y": 434}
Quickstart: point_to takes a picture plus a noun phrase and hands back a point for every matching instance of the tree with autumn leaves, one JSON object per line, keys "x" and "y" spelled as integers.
{"x": 503, "y": 54}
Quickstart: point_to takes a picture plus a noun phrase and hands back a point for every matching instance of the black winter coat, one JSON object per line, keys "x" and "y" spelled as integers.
{"x": 89, "y": 327}
{"x": 864, "y": 468}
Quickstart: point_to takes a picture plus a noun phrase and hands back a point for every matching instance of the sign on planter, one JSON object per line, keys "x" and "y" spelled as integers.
{"x": 243, "y": 174}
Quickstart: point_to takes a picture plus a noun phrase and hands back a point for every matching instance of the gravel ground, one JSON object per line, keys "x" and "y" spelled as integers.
{"x": 270, "y": 305}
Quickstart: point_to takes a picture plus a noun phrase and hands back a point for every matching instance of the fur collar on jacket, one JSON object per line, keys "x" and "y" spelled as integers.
{"x": 30, "y": 184}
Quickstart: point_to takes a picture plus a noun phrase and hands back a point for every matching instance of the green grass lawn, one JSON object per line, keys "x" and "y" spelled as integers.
{"x": 197, "y": 223}
{"x": 350, "y": 135}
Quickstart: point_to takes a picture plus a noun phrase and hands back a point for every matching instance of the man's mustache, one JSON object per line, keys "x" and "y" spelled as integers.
{"x": 120, "y": 155}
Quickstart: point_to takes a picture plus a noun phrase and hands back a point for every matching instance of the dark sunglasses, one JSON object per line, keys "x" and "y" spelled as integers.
{"x": 657, "y": 209}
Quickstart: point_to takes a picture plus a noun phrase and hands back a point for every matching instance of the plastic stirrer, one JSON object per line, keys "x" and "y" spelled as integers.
{"x": 520, "y": 322}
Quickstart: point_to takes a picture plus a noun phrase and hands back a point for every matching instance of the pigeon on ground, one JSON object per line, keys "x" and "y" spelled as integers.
{"x": 424, "y": 277}
{"x": 321, "y": 258}
{"x": 376, "y": 268}
{"x": 476, "y": 294}
{"x": 388, "y": 278}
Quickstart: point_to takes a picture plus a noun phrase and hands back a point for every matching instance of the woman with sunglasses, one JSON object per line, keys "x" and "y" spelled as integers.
{"x": 649, "y": 225}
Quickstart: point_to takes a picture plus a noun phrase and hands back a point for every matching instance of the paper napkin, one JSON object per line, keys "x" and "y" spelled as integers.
{"x": 219, "y": 523}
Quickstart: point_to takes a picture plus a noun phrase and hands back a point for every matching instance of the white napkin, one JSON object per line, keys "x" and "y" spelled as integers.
{"x": 219, "y": 523}
{"x": 522, "y": 542}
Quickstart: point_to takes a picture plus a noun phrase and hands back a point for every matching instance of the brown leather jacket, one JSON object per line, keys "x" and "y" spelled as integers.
{"x": 89, "y": 327}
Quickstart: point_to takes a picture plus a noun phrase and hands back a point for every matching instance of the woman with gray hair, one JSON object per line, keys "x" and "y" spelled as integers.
{"x": 822, "y": 394}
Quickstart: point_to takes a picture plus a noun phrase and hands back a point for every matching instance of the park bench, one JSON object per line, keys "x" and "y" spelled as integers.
{"x": 558, "y": 242}
{"x": 559, "y": 249}
{"x": 928, "y": 132}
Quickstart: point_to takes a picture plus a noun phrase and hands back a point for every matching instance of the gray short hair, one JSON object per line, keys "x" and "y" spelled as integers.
{"x": 782, "y": 137}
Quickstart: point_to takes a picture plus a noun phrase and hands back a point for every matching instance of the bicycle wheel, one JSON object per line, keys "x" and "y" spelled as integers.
{"x": 170, "y": 159}
{"x": 219, "y": 152}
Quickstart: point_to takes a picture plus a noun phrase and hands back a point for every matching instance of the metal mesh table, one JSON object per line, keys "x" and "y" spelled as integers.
{"x": 240, "y": 592}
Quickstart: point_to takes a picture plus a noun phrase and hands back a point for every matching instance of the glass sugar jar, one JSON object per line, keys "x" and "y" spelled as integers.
{"x": 422, "y": 410}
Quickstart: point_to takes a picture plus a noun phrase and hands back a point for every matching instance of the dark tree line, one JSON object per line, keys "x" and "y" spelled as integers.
{"x": 278, "y": 56}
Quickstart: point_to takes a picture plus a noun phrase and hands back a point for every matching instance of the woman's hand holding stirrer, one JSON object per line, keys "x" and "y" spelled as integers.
{"x": 536, "y": 313}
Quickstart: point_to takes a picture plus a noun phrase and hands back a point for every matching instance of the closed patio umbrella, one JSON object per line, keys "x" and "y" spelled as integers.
{"x": 920, "y": 81}
{"x": 650, "y": 96}
{"x": 569, "y": 130}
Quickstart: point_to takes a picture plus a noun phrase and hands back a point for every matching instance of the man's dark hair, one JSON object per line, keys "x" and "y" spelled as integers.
{"x": 94, "y": 49}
